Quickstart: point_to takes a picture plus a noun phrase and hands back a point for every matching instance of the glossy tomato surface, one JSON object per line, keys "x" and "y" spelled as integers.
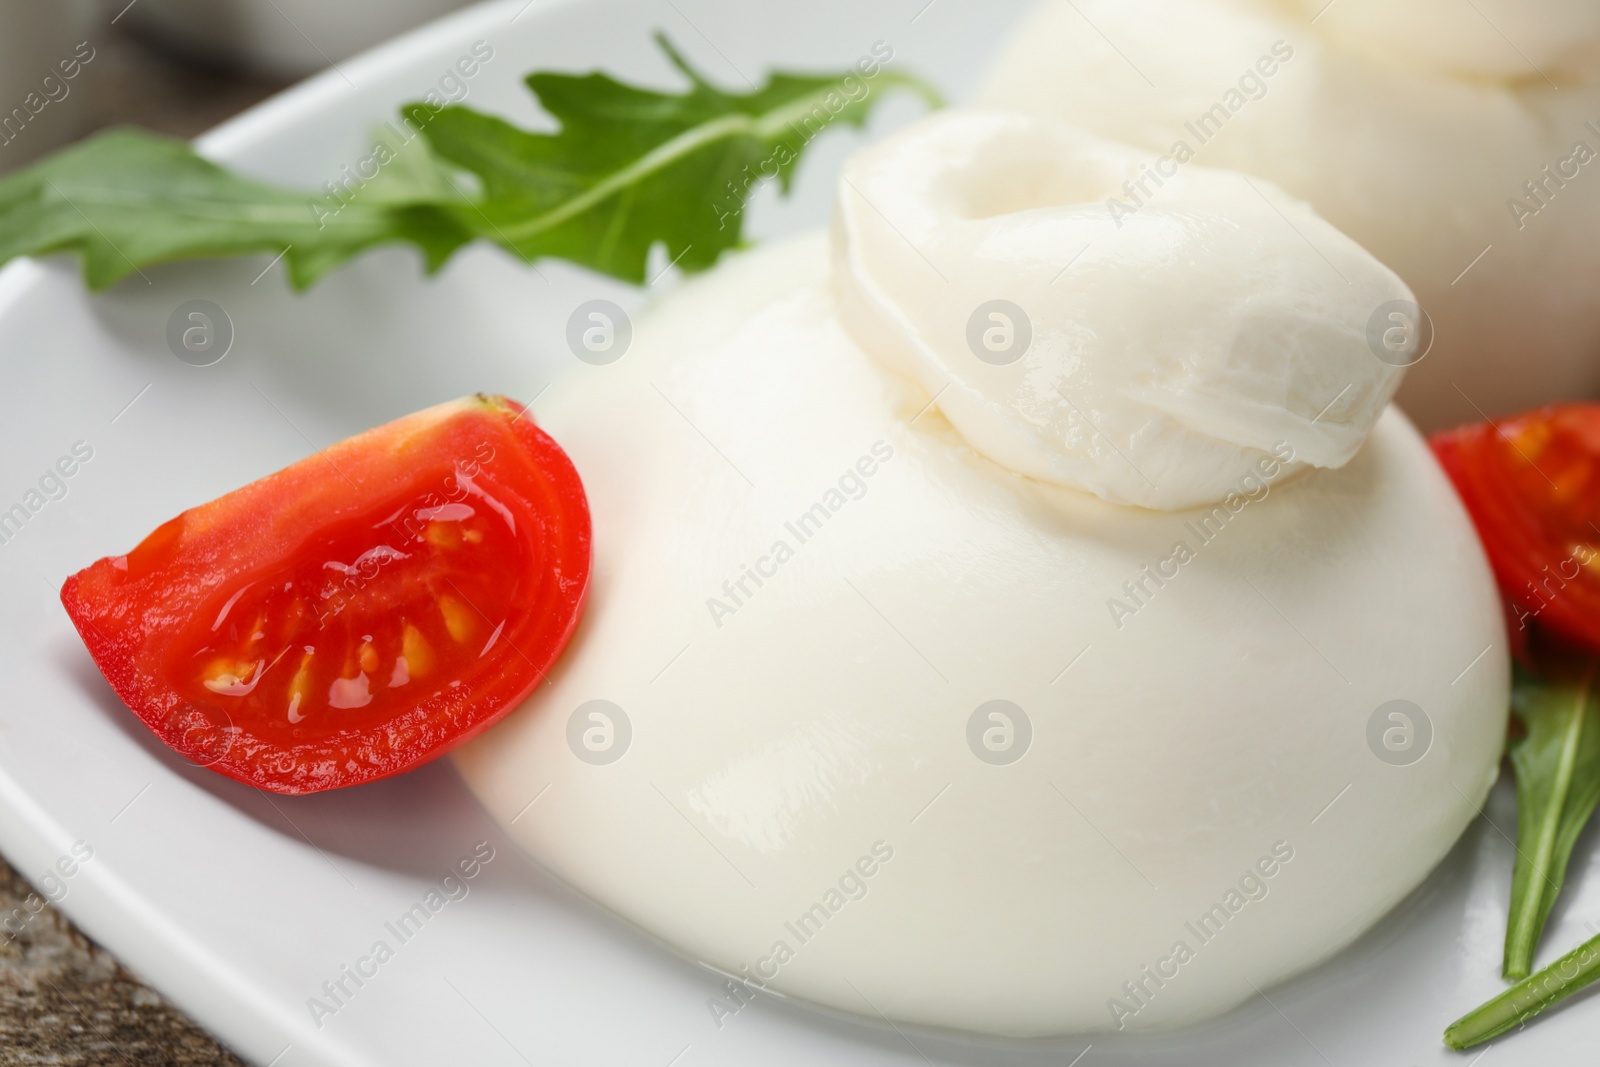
{"x": 1532, "y": 486}
{"x": 356, "y": 614}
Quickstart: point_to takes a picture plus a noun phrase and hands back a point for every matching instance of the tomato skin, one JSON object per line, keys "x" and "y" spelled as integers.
{"x": 146, "y": 616}
{"x": 1532, "y": 486}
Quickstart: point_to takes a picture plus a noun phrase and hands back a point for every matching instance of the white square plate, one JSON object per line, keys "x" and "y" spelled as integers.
{"x": 239, "y": 905}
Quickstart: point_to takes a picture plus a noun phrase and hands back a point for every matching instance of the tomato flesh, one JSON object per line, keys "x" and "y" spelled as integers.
{"x": 1532, "y": 486}
{"x": 356, "y": 614}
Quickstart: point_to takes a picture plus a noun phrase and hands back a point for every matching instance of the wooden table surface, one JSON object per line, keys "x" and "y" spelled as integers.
{"x": 65, "y": 1001}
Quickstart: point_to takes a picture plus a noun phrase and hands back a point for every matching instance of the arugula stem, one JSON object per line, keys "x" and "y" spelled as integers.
{"x": 657, "y": 159}
{"x": 774, "y": 122}
{"x": 1524, "y": 925}
{"x": 1527, "y": 998}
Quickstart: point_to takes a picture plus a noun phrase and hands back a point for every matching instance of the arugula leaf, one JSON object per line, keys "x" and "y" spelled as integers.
{"x": 631, "y": 167}
{"x": 1557, "y": 767}
{"x": 126, "y": 199}
{"x": 628, "y": 168}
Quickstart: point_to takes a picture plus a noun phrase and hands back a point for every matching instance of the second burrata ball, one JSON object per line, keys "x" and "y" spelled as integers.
{"x": 1457, "y": 142}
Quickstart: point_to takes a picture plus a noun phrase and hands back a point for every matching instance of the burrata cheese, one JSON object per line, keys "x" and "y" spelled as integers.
{"x": 861, "y": 715}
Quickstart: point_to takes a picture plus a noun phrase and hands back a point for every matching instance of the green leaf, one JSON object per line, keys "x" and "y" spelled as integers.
{"x": 629, "y": 168}
{"x": 1514, "y": 1007}
{"x": 411, "y": 172}
{"x": 124, "y": 200}
{"x": 632, "y": 167}
{"x": 1557, "y": 767}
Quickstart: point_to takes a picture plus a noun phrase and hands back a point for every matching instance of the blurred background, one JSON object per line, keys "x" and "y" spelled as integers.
{"x": 68, "y": 68}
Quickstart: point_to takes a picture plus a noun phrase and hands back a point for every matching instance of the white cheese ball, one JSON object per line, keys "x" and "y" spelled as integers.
{"x": 1399, "y": 130}
{"x": 808, "y": 591}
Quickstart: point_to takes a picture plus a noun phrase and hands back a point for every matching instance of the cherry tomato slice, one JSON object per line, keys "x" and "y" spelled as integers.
{"x": 1532, "y": 486}
{"x": 356, "y": 614}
